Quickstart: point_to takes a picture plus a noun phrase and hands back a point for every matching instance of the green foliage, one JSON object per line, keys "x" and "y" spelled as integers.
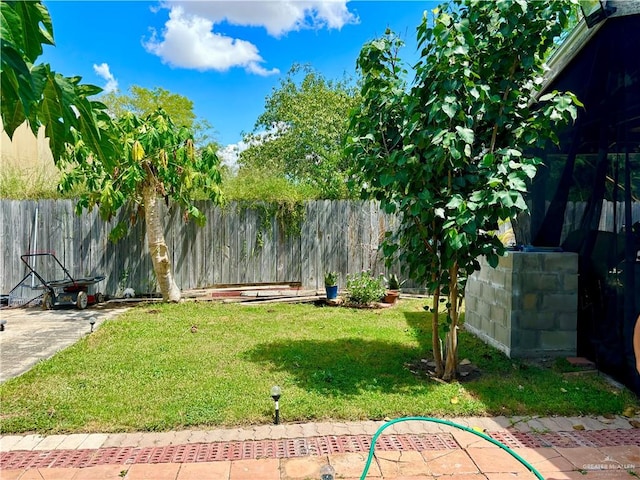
{"x": 143, "y": 101}
{"x": 17, "y": 185}
{"x": 394, "y": 283}
{"x": 156, "y": 153}
{"x": 34, "y": 93}
{"x": 330, "y": 279}
{"x": 300, "y": 135}
{"x": 263, "y": 186}
{"x": 273, "y": 197}
{"x": 363, "y": 288}
{"x": 451, "y": 151}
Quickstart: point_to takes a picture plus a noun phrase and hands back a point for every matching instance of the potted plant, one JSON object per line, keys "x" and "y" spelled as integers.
{"x": 393, "y": 289}
{"x": 331, "y": 285}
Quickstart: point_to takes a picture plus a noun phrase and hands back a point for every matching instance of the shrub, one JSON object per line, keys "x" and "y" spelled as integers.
{"x": 331, "y": 279}
{"x": 363, "y": 288}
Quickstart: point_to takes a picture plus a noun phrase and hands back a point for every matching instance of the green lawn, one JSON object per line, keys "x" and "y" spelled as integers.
{"x": 146, "y": 370}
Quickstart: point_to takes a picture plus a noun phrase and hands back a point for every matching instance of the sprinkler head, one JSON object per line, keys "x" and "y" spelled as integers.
{"x": 92, "y": 322}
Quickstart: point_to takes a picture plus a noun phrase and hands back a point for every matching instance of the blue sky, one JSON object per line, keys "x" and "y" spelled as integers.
{"x": 226, "y": 56}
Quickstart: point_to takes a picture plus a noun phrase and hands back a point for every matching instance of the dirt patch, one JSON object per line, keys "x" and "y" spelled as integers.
{"x": 424, "y": 368}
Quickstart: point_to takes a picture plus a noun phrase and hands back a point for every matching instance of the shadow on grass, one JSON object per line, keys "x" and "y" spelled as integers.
{"x": 420, "y": 323}
{"x": 345, "y": 366}
{"x": 485, "y": 357}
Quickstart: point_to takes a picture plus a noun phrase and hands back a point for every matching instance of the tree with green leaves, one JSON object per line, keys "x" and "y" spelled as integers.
{"x": 36, "y": 94}
{"x": 159, "y": 160}
{"x": 300, "y": 135}
{"x": 451, "y": 151}
{"x": 143, "y": 101}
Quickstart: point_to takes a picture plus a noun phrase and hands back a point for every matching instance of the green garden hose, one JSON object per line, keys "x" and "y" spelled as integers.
{"x": 451, "y": 424}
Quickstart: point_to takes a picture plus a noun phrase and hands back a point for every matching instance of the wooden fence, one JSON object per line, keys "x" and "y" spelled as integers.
{"x": 236, "y": 246}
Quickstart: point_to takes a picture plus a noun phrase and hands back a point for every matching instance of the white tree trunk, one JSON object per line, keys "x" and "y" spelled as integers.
{"x": 158, "y": 246}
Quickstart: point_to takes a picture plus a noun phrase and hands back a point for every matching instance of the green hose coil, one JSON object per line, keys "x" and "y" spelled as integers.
{"x": 450, "y": 424}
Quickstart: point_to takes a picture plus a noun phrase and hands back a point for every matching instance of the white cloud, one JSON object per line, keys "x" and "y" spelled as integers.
{"x": 189, "y": 39}
{"x": 229, "y": 155}
{"x": 103, "y": 71}
{"x": 190, "y": 42}
{"x": 278, "y": 17}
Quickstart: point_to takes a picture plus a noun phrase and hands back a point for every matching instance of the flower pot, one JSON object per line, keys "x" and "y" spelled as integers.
{"x": 332, "y": 291}
{"x": 391, "y": 296}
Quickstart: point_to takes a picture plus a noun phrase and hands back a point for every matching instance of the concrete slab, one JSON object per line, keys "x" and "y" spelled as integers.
{"x": 32, "y": 334}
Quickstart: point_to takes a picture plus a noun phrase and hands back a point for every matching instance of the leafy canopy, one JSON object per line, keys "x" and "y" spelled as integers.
{"x": 301, "y": 133}
{"x": 451, "y": 151}
{"x": 143, "y": 101}
{"x": 156, "y": 153}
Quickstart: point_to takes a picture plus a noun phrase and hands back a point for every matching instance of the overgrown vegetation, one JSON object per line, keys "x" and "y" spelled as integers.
{"x": 363, "y": 288}
{"x": 20, "y": 184}
{"x": 300, "y": 135}
{"x": 146, "y": 370}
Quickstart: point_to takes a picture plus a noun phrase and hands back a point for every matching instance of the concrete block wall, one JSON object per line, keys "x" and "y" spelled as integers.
{"x": 526, "y": 306}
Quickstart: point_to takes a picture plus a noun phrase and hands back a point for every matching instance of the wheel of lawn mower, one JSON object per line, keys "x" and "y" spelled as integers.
{"x": 82, "y": 300}
{"x": 47, "y": 301}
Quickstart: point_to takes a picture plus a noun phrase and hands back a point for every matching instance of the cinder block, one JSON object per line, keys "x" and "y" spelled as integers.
{"x": 489, "y": 294}
{"x": 564, "y": 262}
{"x": 504, "y": 297}
{"x": 560, "y": 303}
{"x": 497, "y": 277}
{"x": 551, "y": 340}
{"x": 506, "y": 262}
{"x": 529, "y": 301}
{"x": 540, "y": 282}
{"x": 470, "y": 302}
{"x": 567, "y": 321}
{"x": 502, "y": 335}
{"x": 569, "y": 282}
{"x": 499, "y": 315}
{"x": 531, "y": 261}
{"x": 473, "y": 286}
{"x": 483, "y": 309}
{"x": 471, "y": 317}
{"x": 533, "y": 320}
{"x": 525, "y": 341}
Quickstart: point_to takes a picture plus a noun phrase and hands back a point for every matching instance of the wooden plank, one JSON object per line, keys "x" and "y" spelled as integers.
{"x": 250, "y": 246}
{"x": 268, "y": 270}
{"x": 309, "y": 247}
{"x": 325, "y": 236}
{"x": 226, "y": 246}
{"x": 342, "y": 255}
{"x": 234, "y": 242}
{"x": 215, "y": 226}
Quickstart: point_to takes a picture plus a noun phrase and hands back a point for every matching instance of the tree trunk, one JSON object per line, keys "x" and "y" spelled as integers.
{"x": 158, "y": 246}
{"x": 435, "y": 336}
{"x": 451, "y": 364}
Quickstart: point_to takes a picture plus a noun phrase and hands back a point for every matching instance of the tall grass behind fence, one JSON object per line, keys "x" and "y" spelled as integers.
{"x": 236, "y": 246}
